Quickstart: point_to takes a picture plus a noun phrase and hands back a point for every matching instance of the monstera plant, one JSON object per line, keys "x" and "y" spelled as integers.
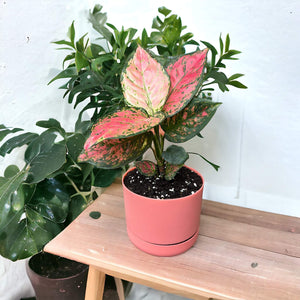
{"x": 163, "y": 103}
{"x": 42, "y": 197}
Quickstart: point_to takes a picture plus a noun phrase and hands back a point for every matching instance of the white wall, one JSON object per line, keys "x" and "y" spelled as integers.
{"x": 255, "y": 134}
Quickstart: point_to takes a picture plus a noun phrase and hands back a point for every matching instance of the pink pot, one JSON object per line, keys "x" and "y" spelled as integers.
{"x": 163, "y": 227}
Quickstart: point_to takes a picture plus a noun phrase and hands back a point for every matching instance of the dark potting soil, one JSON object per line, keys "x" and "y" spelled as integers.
{"x": 53, "y": 266}
{"x": 186, "y": 182}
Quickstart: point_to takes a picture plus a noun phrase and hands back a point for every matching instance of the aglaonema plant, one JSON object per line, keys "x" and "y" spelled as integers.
{"x": 163, "y": 104}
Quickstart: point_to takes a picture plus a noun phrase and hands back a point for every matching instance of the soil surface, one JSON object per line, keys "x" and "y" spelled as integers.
{"x": 186, "y": 182}
{"x": 53, "y": 266}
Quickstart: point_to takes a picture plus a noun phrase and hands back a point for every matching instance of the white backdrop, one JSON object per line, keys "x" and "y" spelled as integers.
{"x": 254, "y": 136}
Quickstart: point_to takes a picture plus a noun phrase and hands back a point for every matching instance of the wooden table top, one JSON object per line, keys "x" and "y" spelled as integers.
{"x": 240, "y": 253}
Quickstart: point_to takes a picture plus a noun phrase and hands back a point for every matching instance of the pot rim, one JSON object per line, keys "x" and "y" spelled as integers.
{"x": 28, "y": 267}
{"x": 168, "y": 199}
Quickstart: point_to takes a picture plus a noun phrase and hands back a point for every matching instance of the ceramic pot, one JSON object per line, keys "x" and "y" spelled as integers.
{"x": 163, "y": 227}
{"x": 65, "y": 288}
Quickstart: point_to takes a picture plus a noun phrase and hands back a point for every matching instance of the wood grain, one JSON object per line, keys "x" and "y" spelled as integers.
{"x": 95, "y": 284}
{"x": 238, "y": 255}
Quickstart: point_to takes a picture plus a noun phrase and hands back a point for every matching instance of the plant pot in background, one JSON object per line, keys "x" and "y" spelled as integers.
{"x": 163, "y": 227}
{"x": 58, "y": 278}
{"x": 70, "y": 279}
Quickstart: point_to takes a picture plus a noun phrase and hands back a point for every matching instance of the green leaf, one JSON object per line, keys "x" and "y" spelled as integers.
{"x": 237, "y": 84}
{"x": 219, "y": 77}
{"x": 145, "y": 38}
{"x": 68, "y": 57}
{"x": 52, "y": 124}
{"x": 157, "y": 23}
{"x": 75, "y": 144}
{"x": 29, "y": 218}
{"x": 81, "y": 44}
{"x": 7, "y": 188}
{"x": 210, "y": 47}
{"x": 221, "y": 44}
{"x": 86, "y": 81}
{"x": 227, "y": 43}
{"x": 105, "y": 177}
{"x": 40, "y": 144}
{"x": 50, "y": 200}
{"x": 67, "y": 73}
{"x": 64, "y": 42}
{"x": 97, "y": 50}
{"x": 175, "y": 155}
{"x": 98, "y": 62}
{"x": 17, "y": 141}
{"x": 11, "y": 171}
{"x": 81, "y": 61}
{"x": 163, "y": 10}
{"x": 216, "y": 167}
{"x": 82, "y": 126}
{"x": 71, "y": 33}
{"x": 235, "y": 76}
{"x": 4, "y": 131}
{"x": 77, "y": 205}
{"x": 230, "y": 53}
{"x": 98, "y": 21}
{"x": 132, "y": 32}
{"x": 46, "y": 163}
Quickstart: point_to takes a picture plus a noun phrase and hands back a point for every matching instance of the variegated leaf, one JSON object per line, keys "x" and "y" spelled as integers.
{"x": 122, "y": 124}
{"x": 171, "y": 171}
{"x": 115, "y": 153}
{"x": 190, "y": 121}
{"x": 145, "y": 82}
{"x": 186, "y": 77}
{"x": 146, "y": 167}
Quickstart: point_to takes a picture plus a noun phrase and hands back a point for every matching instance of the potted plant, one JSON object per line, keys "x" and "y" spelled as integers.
{"x": 164, "y": 101}
{"x": 28, "y": 218}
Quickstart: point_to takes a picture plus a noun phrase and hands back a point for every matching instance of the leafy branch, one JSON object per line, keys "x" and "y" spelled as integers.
{"x": 213, "y": 74}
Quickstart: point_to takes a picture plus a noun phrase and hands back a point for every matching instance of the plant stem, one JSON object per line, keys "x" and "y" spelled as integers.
{"x": 158, "y": 148}
{"x": 76, "y": 188}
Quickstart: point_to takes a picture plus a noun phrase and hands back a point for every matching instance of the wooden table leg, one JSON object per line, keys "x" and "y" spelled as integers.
{"x": 95, "y": 284}
{"x": 120, "y": 289}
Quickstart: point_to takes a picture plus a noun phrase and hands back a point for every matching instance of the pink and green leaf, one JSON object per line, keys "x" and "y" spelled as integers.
{"x": 115, "y": 153}
{"x": 171, "y": 171}
{"x": 145, "y": 82}
{"x": 124, "y": 123}
{"x": 186, "y": 77}
{"x": 190, "y": 121}
{"x": 146, "y": 167}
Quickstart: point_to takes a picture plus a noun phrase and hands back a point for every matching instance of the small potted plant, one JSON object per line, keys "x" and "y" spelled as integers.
{"x": 162, "y": 198}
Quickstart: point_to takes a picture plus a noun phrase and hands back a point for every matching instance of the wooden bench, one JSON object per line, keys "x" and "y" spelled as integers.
{"x": 240, "y": 253}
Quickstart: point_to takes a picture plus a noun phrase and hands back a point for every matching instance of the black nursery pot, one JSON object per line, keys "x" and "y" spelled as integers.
{"x": 54, "y": 277}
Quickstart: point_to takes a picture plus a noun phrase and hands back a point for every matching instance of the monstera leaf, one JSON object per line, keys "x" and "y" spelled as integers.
{"x": 30, "y": 215}
{"x": 190, "y": 121}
